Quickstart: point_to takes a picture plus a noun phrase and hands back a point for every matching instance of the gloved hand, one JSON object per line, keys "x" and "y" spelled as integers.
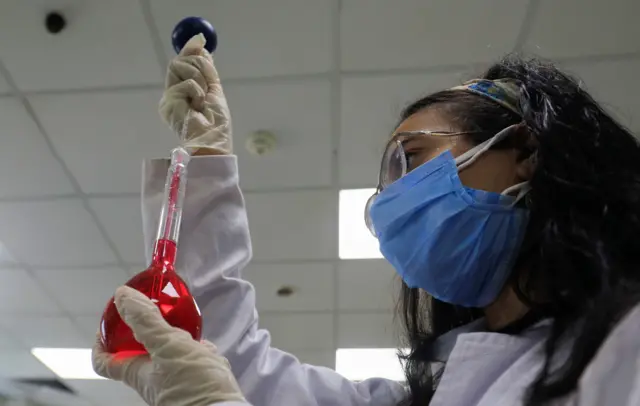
{"x": 178, "y": 371}
{"x": 193, "y": 92}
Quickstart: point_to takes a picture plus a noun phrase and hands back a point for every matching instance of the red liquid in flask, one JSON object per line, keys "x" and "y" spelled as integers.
{"x": 159, "y": 282}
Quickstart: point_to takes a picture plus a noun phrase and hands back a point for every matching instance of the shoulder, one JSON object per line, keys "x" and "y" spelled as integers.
{"x": 613, "y": 377}
{"x": 624, "y": 337}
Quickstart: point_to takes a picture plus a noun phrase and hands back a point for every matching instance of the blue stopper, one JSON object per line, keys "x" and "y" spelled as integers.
{"x": 190, "y": 27}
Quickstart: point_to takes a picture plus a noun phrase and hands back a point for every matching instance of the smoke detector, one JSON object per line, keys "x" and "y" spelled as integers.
{"x": 261, "y": 142}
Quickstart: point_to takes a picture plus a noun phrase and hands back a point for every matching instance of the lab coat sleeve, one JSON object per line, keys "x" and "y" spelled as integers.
{"x": 214, "y": 247}
{"x": 613, "y": 377}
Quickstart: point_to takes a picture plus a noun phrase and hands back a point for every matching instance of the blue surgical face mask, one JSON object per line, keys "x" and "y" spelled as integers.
{"x": 456, "y": 243}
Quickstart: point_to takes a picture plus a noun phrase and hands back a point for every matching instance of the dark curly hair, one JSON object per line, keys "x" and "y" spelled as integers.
{"x": 581, "y": 250}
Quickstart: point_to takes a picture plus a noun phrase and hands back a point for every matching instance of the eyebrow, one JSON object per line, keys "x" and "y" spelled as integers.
{"x": 412, "y": 142}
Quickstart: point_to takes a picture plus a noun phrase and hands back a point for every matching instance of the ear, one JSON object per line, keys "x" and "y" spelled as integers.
{"x": 526, "y": 167}
{"x": 528, "y": 153}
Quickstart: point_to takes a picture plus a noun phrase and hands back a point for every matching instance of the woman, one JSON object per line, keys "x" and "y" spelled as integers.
{"x": 510, "y": 208}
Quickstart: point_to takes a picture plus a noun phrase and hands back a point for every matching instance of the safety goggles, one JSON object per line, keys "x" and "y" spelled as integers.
{"x": 395, "y": 165}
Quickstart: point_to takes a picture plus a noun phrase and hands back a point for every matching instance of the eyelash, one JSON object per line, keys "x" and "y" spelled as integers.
{"x": 409, "y": 155}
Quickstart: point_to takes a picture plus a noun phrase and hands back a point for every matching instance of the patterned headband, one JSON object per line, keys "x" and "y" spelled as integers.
{"x": 502, "y": 91}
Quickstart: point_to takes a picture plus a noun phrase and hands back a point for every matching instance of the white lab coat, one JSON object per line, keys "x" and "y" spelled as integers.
{"x": 483, "y": 369}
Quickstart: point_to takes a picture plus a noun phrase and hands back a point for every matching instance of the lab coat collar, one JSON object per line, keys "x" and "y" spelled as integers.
{"x": 444, "y": 344}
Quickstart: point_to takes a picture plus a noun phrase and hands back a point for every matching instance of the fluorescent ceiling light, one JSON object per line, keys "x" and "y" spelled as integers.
{"x": 358, "y": 364}
{"x": 355, "y": 240}
{"x": 67, "y": 363}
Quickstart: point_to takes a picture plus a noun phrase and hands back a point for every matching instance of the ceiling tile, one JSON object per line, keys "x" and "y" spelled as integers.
{"x": 366, "y": 285}
{"x": 259, "y": 42}
{"x": 101, "y": 391}
{"x": 54, "y": 397}
{"x": 20, "y": 293}
{"x": 9, "y": 340}
{"x": 367, "y": 331}
{"x": 571, "y": 28}
{"x": 25, "y": 148}
{"x": 135, "y": 269}
{"x": 82, "y": 291}
{"x": 5, "y": 89}
{"x": 299, "y": 115}
{"x": 104, "y": 136}
{"x": 304, "y": 331}
{"x": 6, "y": 258}
{"x": 122, "y": 219}
{"x": 294, "y": 225}
{"x": 379, "y": 34}
{"x": 371, "y": 109}
{"x": 21, "y": 364}
{"x": 88, "y": 326}
{"x": 90, "y": 52}
{"x": 317, "y": 358}
{"x": 615, "y": 85}
{"x": 312, "y": 284}
{"x": 56, "y": 332}
{"x": 53, "y": 233}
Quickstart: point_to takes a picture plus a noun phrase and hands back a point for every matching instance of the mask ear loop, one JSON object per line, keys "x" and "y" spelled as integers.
{"x": 469, "y": 157}
{"x": 522, "y": 188}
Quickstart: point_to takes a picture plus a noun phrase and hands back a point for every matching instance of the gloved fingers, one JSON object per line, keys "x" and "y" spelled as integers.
{"x": 198, "y": 68}
{"x": 194, "y": 46}
{"x": 189, "y": 91}
{"x": 215, "y": 139}
{"x": 111, "y": 366}
{"x": 140, "y": 314}
{"x": 182, "y": 97}
{"x": 143, "y": 317}
{"x": 194, "y": 53}
{"x": 194, "y": 94}
{"x": 216, "y": 102}
{"x": 205, "y": 67}
{"x": 104, "y": 364}
{"x": 222, "y": 361}
{"x": 196, "y": 124}
{"x": 204, "y": 376}
{"x": 209, "y": 346}
{"x": 136, "y": 372}
{"x": 185, "y": 68}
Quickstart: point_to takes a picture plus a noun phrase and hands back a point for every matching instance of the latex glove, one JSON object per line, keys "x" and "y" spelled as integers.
{"x": 178, "y": 371}
{"x": 193, "y": 88}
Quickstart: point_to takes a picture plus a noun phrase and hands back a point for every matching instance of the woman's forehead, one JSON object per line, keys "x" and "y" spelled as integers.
{"x": 426, "y": 120}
